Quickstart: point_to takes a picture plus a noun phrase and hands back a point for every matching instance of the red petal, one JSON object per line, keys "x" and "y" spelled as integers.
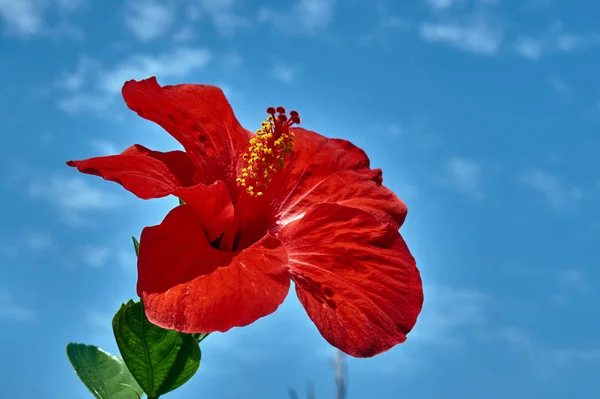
{"x": 200, "y": 118}
{"x": 212, "y": 205}
{"x": 334, "y": 170}
{"x": 189, "y": 286}
{"x": 355, "y": 277}
{"x": 146, "y": 173}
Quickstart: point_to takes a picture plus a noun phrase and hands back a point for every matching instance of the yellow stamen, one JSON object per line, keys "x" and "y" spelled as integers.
{"x": 267, "y": 150}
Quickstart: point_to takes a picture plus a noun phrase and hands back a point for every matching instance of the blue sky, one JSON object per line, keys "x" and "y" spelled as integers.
{"x": 483, "y": 114}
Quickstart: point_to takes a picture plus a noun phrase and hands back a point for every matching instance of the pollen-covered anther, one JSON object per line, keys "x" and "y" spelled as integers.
{"x": 268, "y": 149}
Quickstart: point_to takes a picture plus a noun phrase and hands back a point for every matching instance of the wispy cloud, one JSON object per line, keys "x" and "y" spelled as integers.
{"x": 178, "y": 63}
{"x": 224, "y": 14}
{"x": 529, "y": 48}
{"x": 556, "y": 192}
{"x": 73, "y": 196}
{"x": 449, "y": 317}
{"x": 38, "y": 241}
{"x": 284, "y": 72}
{"x": 28, "y": 17}
{"x": 553, "y": 41}
{"x": 446, "y": 312}
{"x": 11, "y": 309}
{"x": 444, "y": 5}
{"x": 545, "y": 359}
{"x": 95, "y": 256}
{"x": 464, "y": 175}
{"x": 388, "y": 23}
{"x": 476, "y": 35}
{"x": 561, "y": 87}
{"x": 576, "y": 281}
{"x": 149, "y": 19}
{"x": 107, "y": 82}
{"x": 31, "y": 241}
{"x": 307, "y": 16}
{"x": 104, "y": 147}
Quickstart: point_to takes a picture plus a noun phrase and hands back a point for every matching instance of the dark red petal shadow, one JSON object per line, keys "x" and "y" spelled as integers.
{"x": 333, "y": 170}
{"x": 212, "y": 205}
{"x": 355, "y": 277}
{"x": 191, "y": 287}
{"x": 146, "y": 173}
{"x": 200, "y": 118}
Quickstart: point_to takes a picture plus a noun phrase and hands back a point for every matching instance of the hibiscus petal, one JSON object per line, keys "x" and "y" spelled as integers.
{"x": 355, "y": 277}
{"x": 212, "y": 205}
{"x": 333, "y": 170}
{"x": 355, "y": 189}
{"x": 146, "y": 173}
{"x": 191, "y": 287}
{"x": 200, "y": 118}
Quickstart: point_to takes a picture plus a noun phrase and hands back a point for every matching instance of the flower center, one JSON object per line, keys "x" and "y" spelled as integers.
{"x": 267, "y": 151}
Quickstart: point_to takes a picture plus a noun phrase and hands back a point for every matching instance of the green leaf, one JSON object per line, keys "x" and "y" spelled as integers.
{"x": 181, "y": 202}
{"x": 136, "y": 246}
{"x": 105, "y": 375}
{"x": 160, "y": 360}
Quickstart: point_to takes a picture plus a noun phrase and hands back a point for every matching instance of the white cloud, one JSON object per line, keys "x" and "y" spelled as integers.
{"x": 76, "y": 80}
{"x": 222, "y": 13}
{"x": 569, "y": 42}
{"x": 444, "y": 5}
{"x": 21, "y": 16}
{"x": 95, "y": 256}
{"x": 572, "y": 277}
{"x": 106, "y": 83}
{"x": 577, "y": 281}
{"x": 127, "y": 259}
{"x": 553, "y": 41}
{"x": 561, "y": 87}
{"x": 230, "y": 62}
{"x": 185, "y": 34}
{"x": 178, "y": 63}
{"x": 544, "y": 359}
{"x": 104, "y": 147}
{"x": 99, "y": 325}
{"x": 529, "y": 47}
{"x": 305, "y": 17}
{"x": 283, "y": 72}
{"x": 557, "y": 193}
{"x": 465, "y": 176}
{"x": 447, "y": 322}
{"x": 38, "y": 241}
{"x": 30, "y": 242}
{"x": 446, "y": 311}
{"x": 315, "y": 14}
{"x": 11, "y": 309}
{"x": 81, "y": 102}
{"x": 27, "y": 17}
{"x": 387, "y": 23}
{"x": 149, "y": 19}
{"x": 476, "y": 36}
{"x": 395, "y": 130}
{"x": 72, "y": 196}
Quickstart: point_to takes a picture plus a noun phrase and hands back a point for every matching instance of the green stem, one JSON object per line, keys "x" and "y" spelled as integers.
{"x": 201, "y": 336}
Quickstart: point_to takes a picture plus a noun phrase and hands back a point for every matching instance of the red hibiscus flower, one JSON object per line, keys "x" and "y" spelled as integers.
{"x": 262, "y": 209}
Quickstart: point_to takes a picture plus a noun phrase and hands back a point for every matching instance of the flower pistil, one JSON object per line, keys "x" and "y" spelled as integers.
{"x": 268, "y": 149}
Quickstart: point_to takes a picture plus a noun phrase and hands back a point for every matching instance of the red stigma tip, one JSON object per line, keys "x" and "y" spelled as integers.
{"x": 294, "y": 113}
{"x": 281, "y": 110}
{"x": 271, "y": 110}
{"x": 282, "y": 118}
{"x": 295, "y": 119}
